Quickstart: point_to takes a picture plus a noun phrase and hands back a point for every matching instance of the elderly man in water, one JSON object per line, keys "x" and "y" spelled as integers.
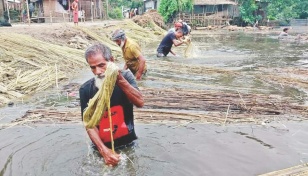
{"x": 125, "y": 95}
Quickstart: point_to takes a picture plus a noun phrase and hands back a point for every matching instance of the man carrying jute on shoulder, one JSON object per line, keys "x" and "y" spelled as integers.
{"x": 134, "y": 60}
{"x": 107, "y": 102}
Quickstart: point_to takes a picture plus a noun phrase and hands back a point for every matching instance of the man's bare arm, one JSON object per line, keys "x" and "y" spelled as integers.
{"x": 141, "y": 67}
{"x": 125, "y": 66}
{"x": 172, "y": 52}
{"x": 177, "y": 42}
{"x": 109, "y": 157}
{"x": 132, "y": 93}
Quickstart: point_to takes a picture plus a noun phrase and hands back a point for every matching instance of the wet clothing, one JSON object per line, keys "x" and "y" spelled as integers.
{"x": 118, "y": 98}
{"x": 166, "y": 45}
{"x": 131, "y": 51}
{"x": 186, "y": 28}
{"x": 283, "y": 34}
{"x": 171, "y": 30}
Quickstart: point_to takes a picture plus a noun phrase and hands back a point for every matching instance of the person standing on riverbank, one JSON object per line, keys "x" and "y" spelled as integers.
{"x": 75, "y": 12}
{"x": 124, "y": 96}
{"x": 134, "y": 60}
{"x": 170, "y": 39}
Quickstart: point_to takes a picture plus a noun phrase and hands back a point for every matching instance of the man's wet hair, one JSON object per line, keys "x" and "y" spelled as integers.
{"x": 98, "y": 48}
{"x": 285, "y": 29}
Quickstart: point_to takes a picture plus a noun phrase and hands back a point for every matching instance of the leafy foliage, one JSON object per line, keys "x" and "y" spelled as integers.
{"x": 286, "y": 9}
{"x": 168, "y": 8}
{"x": 247, "y": 10}
{"x": 116, "y": 13}
{"x": 126, "y": 3}
{"x": 276, "y": 9}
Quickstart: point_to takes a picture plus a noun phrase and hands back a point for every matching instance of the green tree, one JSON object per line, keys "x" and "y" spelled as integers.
{"x": 126, "y": 3}
{"x": 168, "y": 8}
{"x": 247, "y": 11}
{"x": 287, "y": 9}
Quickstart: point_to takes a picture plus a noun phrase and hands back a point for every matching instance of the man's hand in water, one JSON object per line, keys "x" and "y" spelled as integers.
{"x": 111, "y": 159}
{"x": 138, "y": 76}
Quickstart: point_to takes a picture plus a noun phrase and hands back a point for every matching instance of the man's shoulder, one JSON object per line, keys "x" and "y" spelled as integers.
{"x": 171, "y": 30}
{"x": 171, "y": 34}
{"x": 87, "y": 84}
{"x": 132, "y": 43}
{"x": 127, "y": 74}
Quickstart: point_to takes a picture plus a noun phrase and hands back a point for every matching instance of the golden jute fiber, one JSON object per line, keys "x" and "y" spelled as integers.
{"x": 101, "y": 101}
{"x": 188, "y": 49}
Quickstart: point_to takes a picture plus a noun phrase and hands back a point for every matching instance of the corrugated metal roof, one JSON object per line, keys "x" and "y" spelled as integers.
{"x": 214, "y": 2}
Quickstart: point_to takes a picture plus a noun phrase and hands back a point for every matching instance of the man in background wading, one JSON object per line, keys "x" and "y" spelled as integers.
{"x": 134, "y": 60}
{"x": 124, "y": 96}
{"x": 172, "y": 38}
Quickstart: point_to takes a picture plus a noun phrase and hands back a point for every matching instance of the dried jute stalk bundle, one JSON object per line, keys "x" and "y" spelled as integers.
{"x": 101, "y": 101}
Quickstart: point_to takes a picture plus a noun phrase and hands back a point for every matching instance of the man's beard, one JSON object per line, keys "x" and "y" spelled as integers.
{"x": 122, "y": 43}
{"x": 99, "y": 79}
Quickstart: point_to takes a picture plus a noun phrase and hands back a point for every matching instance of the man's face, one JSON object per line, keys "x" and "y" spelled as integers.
{"x": 178, "y": 34}
{"x": 98, "y": 65}
{"x": 120, "y": 43}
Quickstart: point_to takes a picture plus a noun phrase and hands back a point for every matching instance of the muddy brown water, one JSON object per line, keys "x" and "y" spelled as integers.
{"x": 173, "y": 149}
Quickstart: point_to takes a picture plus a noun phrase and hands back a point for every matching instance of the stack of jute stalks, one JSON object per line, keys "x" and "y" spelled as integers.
{"x": 101, "y": 101}
{"x": 29, "y": 65}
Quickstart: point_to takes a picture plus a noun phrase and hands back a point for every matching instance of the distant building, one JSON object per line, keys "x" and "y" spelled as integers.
{"x": 1, "y": 7}
{"x": 226, "y": 8}
{"x": 151, "y": 4}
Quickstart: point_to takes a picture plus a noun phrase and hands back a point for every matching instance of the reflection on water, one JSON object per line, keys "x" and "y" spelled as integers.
{"x": 160, "y": 150}
{"x": 249, "y": 55}
{"x": 174, "y": 149}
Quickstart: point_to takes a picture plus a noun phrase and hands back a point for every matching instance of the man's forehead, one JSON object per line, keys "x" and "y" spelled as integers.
{"x": 98, "y": 57}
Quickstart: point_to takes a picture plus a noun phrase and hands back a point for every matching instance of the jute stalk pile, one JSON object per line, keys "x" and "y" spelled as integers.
{"x": 29, "y": 65}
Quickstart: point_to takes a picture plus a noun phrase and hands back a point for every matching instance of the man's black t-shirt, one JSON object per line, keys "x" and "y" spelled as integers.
{"x": 88, "y": 90}
{"x": 166, "y": 44}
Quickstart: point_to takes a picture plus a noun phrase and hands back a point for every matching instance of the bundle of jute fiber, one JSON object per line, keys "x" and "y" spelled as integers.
{"x": 188, "y": 49}
{"x": 101, "y": 101}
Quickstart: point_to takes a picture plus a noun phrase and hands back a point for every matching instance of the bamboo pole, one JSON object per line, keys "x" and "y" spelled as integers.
{"x": 28, "y": 13}
{"x": 111, "y": 129}
{"x": 107, "y": 16}
{"x": 91, "y": 10}
{"x": 57, "y": 76}
{"x": 50, "y": 16}
{"x": 63, "y": 17}
{"x": 8, "y": 11}
{"x": 100, "y": 10}
{"x": 69, "y": 10}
